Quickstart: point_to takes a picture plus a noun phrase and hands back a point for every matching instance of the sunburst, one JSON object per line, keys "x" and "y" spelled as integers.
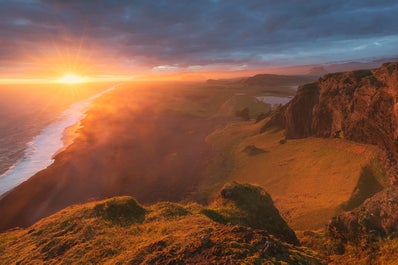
{"x": 72, "y": 79}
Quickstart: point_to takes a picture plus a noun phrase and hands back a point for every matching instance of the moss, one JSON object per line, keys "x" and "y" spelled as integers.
{"x": 164, "y": 233}
{"x": 166, "y": 211}
{"x": 121, "y": 211}
{"x": 56, "y": 247}
{"x": 214, "y": 215}
{"x": 250, "y": 205}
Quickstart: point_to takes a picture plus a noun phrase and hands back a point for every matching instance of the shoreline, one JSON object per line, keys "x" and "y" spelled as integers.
{"x": 54, "y": 138}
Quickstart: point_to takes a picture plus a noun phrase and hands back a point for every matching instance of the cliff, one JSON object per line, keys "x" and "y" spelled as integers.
{"x": 360, "y": 106}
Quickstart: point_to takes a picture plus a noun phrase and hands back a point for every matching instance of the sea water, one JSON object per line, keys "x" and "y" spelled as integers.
{"x": 39, "y": 152}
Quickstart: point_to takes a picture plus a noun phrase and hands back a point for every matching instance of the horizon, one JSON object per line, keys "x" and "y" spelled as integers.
{"x": 198, "y": 132}
{"x": 43, "y": 41}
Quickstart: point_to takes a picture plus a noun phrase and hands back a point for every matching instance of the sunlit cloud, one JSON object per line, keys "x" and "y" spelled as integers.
{"x": 50, "y": 38}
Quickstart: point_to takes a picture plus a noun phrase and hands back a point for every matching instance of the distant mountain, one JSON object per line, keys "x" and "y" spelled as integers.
{"x": 317, "y": 71}
{"x": 264, "y": 80}
{"x": 356, "y": 65}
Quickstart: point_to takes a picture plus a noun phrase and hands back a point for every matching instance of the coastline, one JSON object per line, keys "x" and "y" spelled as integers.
{"x": 52, "y": 139}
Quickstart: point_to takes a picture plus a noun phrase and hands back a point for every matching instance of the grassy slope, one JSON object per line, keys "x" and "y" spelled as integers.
{"x": 383, "y": 251}
{"x": 309, "y": 179}
{"x": 119, "y": 231}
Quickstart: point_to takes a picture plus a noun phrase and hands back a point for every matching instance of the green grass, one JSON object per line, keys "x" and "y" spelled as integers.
{"x": 121, "y": 211}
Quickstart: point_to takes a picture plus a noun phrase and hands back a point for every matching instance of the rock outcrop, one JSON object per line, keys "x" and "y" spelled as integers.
{"x": 250, "y": 205}
{"x": 361, "y": 106}
{"x": 121, "y": 231}
{"x": 376, "y": 218}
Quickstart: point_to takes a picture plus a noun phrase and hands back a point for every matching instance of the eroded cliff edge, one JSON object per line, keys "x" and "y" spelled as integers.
{"x": 361, "y": 106}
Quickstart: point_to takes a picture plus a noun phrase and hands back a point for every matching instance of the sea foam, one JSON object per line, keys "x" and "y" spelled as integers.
{"x": 40, "y": 151}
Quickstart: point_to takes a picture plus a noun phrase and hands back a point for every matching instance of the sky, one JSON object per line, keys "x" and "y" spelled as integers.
{"x": 52, "y": 37}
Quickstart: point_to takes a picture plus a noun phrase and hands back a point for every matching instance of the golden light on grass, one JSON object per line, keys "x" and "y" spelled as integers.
{"x": 72, "y": 79}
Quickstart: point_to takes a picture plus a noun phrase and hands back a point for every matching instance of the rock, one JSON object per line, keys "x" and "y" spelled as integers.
{"x": 299, "y": 112}
{"x": 277, "y": 119}
{"x": 361, "y": 106}
{"x": 357, "y": 105}
{"x": 376, "y": 217}
{"x": 256, "y": 210}
{"x": 252, "y": 150}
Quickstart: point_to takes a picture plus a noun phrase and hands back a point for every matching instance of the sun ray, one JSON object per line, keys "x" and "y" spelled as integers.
{"x": 72, "y": 79}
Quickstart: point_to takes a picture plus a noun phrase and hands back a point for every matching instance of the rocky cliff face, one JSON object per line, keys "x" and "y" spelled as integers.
{"x": 376, "y": 218}
{"x": 360, "y": 105}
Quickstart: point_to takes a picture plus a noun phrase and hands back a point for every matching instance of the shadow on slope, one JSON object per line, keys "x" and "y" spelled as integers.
{"x": 120, "y": 231}
{"x": 251, "y": 206}
{"x": 371, "y": 181}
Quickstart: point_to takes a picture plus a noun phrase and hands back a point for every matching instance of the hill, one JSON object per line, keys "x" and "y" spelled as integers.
{"x": 365, "y": 235}
{"x": 359, "y": 106}
{"x": 121, "y": 231}
{"x": 310, "y": 179}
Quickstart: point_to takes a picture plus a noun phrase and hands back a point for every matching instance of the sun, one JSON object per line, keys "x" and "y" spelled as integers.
{"x": 72, "y": 79}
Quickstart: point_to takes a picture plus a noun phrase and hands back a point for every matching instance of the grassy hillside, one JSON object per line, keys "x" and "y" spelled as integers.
{"x": 378, "y": 251}
{"x": 150, "y": 137}
{"x": 310, "y": 179}
{"x": 168, "y": 142}
{"x": 120, "y": 231}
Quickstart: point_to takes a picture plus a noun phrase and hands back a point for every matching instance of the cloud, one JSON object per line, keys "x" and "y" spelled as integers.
{"x": 132, "y": 35}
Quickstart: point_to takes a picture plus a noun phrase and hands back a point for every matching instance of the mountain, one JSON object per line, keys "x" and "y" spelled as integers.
{"x": 269, "y": 81}
{"x": 121, "y": 231}
{"x": 317, "y": 71}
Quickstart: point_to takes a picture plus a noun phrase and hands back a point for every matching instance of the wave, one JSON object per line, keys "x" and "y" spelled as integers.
{"x": 39, "y": 153}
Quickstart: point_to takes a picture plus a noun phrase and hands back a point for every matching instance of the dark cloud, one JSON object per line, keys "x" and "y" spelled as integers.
{"x": 182, "y": 33}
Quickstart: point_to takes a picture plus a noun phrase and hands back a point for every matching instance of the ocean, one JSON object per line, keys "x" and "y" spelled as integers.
{"x": 33, "y": 123}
